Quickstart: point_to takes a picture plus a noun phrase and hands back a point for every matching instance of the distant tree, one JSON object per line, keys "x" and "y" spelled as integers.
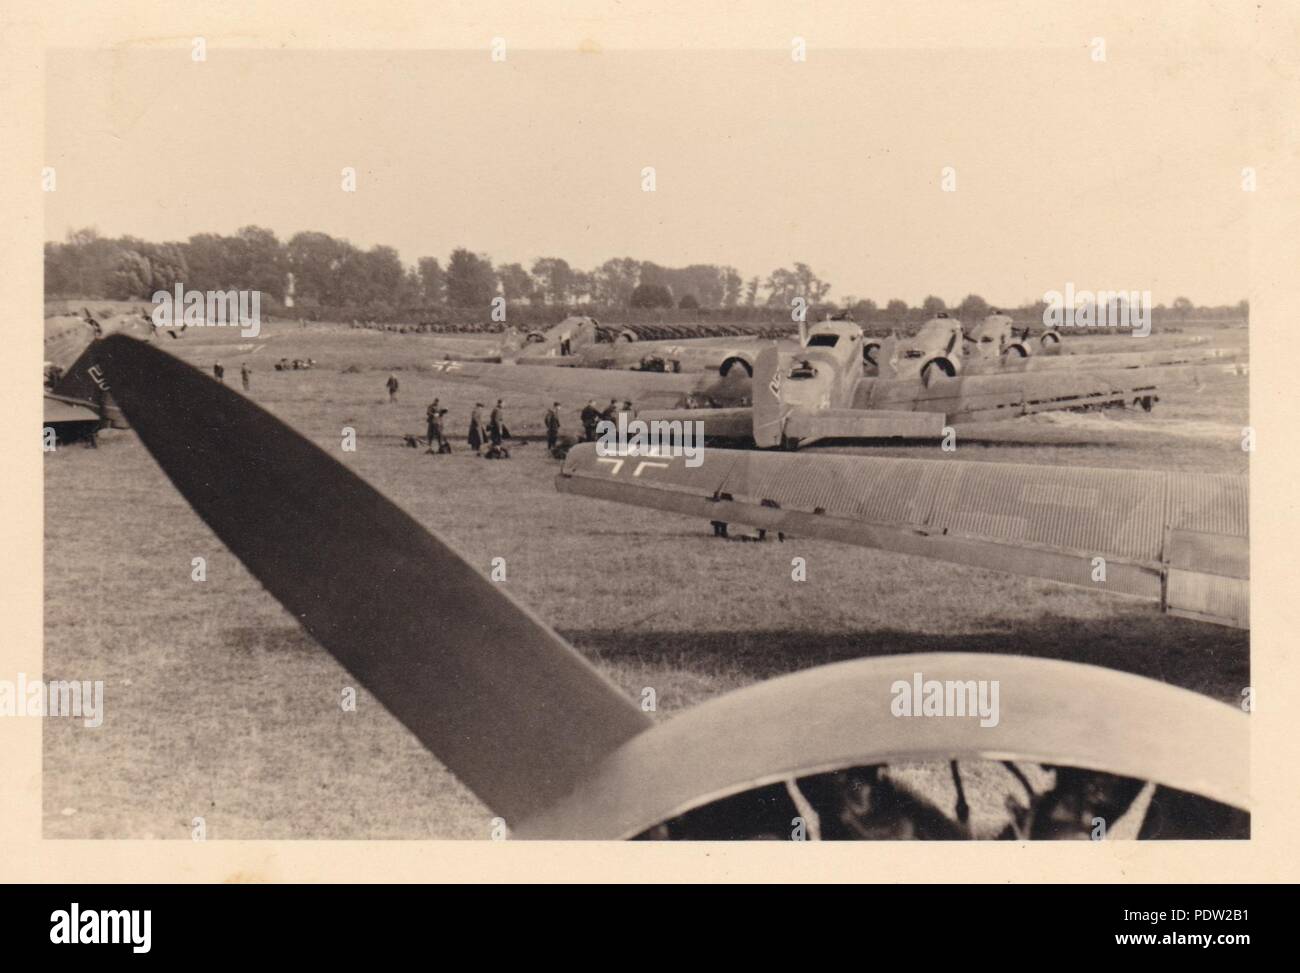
{"x": 732, "y": 282}
{"x": 554, "y": 279}
{"x": 256, "y": 261}
{"x": 1182, "y": 307}
{"x": 130, "y": 277}
{"x": 689, "y": 302}
{"x": 433, "y": 282}
{"x": 411, "y": 292}
{"x": 933, "y": 305}
{"x": 471, "y": 282}
{"x": 614, "y": 280}
{"x": 1243, "y": 309}
{"x": 863, "y": 309}
{"x": 313, "y": 260}
{"x": 516, "y": 283}
{"x": 583, "y": 289}
{"x": 973, "y": 308}
{"x": 651, "y": 295}
{"x": 167, "y": 266}
{"x": 784, "y": 286}
{"x": 896, "y": 310}
{"x": 384, "y": 273}
{"x": 87, "y": 259}
{"x": 751, "y": 292}
{"x": 810, "y": 285}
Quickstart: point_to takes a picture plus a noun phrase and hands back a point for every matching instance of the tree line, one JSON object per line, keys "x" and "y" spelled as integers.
{"x": 314, "y": 269}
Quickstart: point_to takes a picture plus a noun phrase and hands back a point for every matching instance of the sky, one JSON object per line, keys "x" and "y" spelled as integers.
{"x": 1120, "y": 175}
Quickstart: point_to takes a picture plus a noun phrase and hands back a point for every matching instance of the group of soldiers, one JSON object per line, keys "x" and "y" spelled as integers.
{"x": 591, "y": 416}
{"x": 492, "y": 434}
{"x": 245, "y": 374}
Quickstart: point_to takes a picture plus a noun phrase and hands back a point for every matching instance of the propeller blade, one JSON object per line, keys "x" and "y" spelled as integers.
{"x": 509, "y": 706}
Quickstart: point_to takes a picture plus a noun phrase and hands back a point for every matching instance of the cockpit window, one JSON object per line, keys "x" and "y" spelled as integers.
{"x": 823, "y": 340}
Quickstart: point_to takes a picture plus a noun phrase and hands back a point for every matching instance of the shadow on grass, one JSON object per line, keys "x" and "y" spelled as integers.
{"x": 1208, "y": 659}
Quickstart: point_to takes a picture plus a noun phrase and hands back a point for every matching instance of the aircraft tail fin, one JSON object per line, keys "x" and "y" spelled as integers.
{"x": 770, "y": 410}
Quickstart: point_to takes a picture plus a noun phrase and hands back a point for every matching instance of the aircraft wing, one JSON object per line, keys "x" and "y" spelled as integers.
{"x": 60, "y": 410}
{"x": 1173, "y": 355}
{"x": 1179, "y": 539}
{"x": 662, "y": 389}
{"x": 975, "y": 398}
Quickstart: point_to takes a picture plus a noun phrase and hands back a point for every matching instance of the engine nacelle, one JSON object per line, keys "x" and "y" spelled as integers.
{"x": 734, "y": 362}
{"x": 871, "y": 353}
{"x": 940, "y": 366}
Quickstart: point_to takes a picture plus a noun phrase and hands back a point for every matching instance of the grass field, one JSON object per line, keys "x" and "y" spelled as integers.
{"x": 217, "y": 704}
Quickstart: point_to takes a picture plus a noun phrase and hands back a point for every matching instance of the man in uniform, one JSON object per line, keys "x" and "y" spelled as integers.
{"x": 590, "y": 416}
{"x": 431, "y": 425}
{"x": 476, "y": 437}
{"x": 245, "y": 374}
{"x": 497, "y": 424}
{"x": 391, "y": 384}
{"x": 552, "y": 421}
{"x": 218, "y": 372}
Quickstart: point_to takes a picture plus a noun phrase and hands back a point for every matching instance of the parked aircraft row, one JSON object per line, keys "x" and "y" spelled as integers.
{"x": 819, "y": 388}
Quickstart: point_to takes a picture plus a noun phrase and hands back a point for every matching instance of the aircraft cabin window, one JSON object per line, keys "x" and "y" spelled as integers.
{"x": 823, "y": 341}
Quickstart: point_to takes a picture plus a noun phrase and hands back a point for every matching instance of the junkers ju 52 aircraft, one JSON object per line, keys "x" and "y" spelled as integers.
{"x": 75, "y": 403}
{"x": 941, "y": 347}
{"x": 819, "y": 391}
{"x": 575, "y": 343}
{"x": 557, "y": 751}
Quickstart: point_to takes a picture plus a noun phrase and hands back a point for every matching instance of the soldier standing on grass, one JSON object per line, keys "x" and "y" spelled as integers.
{"x": 437, "y": 434}
{"x": 431, "y": 424}
{"x": 590, "y": 416}
{"x": 218, "y": 372}
{"x": 552, "y": 421}
{"x": 392, "y": 384}
{"x": 245, "y": 374}
{"x": 476, "y": 436}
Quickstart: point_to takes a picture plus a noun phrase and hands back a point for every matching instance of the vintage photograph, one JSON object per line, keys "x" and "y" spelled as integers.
{"x": 807, "y": 443}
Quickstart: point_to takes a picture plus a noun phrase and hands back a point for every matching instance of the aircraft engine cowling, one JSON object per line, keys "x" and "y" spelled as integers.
{"x": 938, "y": 367}
{"x": 871, "y": 353}
{"x": 1016, "y": 349}
{"x": 1050, "y": 341}
{"x": 626, "y": 335}
{"x": 735, "y": 363}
